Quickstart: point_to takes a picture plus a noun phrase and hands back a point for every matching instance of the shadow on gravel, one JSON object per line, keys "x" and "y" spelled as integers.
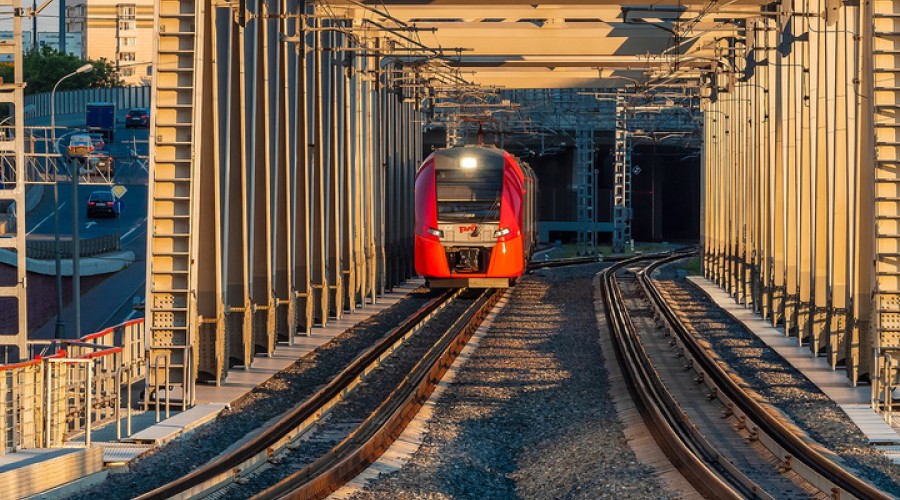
{"x": 244, "y": 417}
{"x": 781, "y": 384}
{"x": 529, "y": 415}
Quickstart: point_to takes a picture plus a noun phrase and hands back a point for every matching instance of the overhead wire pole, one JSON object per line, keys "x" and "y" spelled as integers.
{"x": 60, "y": 327}
{"x": 76, "y": 239}
{"x": 586, "y": 176}
{"x": 622, "y": 194}
{"x": 62, "y": 26}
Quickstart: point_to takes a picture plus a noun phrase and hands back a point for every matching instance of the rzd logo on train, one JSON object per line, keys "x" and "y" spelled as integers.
{"x": 467, "y": 229}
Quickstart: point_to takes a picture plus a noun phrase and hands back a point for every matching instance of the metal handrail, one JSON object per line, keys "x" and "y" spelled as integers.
{"x": 156, "y": 377}
{"x": 38, "y": 387}
{"x": 121, "y": 372}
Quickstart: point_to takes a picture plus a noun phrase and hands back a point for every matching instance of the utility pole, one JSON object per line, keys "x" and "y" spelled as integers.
{"x": 62, "y": 26}
{"x": 34, "y": 44}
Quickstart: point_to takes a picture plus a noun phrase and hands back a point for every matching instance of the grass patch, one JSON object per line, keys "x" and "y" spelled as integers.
{"x": 693, "y": 266}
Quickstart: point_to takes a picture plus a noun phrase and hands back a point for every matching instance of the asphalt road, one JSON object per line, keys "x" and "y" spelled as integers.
{"x": 111, "y": 301}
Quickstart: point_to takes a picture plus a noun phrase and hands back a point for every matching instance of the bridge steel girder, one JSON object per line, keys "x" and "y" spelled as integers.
{"x": 273, "y": 160}
{"x": 801, "y": 191}
{"x": 321, "y": 59}
{"x": 14, "y": 344}
{"x": 334, "y": 181}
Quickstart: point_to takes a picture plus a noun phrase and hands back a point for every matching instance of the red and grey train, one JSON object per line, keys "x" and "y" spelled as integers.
{"x": 476, "y": 220}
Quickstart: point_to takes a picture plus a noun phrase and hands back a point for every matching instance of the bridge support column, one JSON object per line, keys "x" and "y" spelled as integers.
{"x": 13, "y": 346}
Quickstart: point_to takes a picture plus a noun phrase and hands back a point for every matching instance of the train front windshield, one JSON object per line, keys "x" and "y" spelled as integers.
{"x": 469, "y": 184}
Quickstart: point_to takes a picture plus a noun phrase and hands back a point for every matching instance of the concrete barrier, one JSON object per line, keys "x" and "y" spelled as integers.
{"x": 33, "y": 195}
{"x": 90, "y": 266}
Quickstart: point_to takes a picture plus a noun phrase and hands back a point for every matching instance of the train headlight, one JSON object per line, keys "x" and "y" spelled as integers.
{"x": 435, "y": 232}
{"x": 468, "y": 162}
{"x": 501, "y": 232}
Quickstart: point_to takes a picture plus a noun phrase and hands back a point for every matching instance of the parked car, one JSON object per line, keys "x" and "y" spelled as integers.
{"x": 97, "y": 141}
{"x": 101, "y": 202}
{"x": 137, "y": 117}
{"x": 80, "y": 145}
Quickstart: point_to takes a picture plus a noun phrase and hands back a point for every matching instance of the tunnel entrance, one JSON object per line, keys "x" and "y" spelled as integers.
{"x": 665, "y": 195}
{"x": 665, "y": 185}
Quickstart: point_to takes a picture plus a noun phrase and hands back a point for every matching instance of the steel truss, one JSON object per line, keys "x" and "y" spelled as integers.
{"x": 586, "y": 177}
{"x": 257, "y": 236}
{"x": 13, "y": 347}
{"x": 622, "y": 194}
{"x": 802, "y": 192}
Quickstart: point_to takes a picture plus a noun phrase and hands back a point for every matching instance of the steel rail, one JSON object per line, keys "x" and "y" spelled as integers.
{"x": 589, "y": 259}
{"x": 772, "y": 432}
{"x": 362, "y": 448}
{"x": 571, "y": 261}
{"x": 666, "y": 422}
{"x": 701, "y": 446}
{"x": 259, "y": 449}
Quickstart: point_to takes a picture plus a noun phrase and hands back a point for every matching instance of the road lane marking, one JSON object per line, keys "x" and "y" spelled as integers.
{"x": 108, "y": 321}
{"x": 133, "y": 229}
{"x": 44, "y": 220}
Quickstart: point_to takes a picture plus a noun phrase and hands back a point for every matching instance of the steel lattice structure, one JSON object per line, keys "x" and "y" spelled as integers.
{"x": 287, "y": 134}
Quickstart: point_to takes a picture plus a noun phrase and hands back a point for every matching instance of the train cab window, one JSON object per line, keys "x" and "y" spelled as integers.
{"x": 469, "y": 184}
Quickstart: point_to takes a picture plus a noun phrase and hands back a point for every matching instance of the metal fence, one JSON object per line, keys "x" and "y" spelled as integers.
{"x": 69, "y": 386}
{"x": 74, "y": 101}
{"x": 44, "y": 247}
{"x": 125, "y": 164}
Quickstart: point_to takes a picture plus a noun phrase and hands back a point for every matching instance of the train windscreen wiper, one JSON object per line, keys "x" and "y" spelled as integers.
{"x": 490, "y": 211}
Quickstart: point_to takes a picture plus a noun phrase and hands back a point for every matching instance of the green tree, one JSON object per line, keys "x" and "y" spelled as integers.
{"x": 104, "y": 75}
{"x": 43, "y": 68}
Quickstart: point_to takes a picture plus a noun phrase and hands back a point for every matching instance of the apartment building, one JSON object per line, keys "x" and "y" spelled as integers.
{"x": 120, "y": 32}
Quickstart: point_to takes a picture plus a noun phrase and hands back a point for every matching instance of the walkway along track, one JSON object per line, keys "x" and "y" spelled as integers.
{"x": 695, "y": 457}
{"x": 366, "y": 443}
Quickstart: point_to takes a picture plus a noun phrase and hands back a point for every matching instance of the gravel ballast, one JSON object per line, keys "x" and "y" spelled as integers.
{"x": 529, "y": 415}
{"x": 779, "y": 383}
{"x": 269, "y": 400}
{"x": 347, "y": 416}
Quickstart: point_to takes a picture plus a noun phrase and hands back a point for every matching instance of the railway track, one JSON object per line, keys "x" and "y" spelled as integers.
{"x": 590, "y": 259}
{"x": 415, "y": 355}
{"x": 570, "y": 261}
{"x": 692, "y": 439}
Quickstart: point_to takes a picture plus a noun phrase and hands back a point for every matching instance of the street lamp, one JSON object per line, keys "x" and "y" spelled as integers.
{"x": 26, "y": 109}
{"x": 76, "y": 282}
